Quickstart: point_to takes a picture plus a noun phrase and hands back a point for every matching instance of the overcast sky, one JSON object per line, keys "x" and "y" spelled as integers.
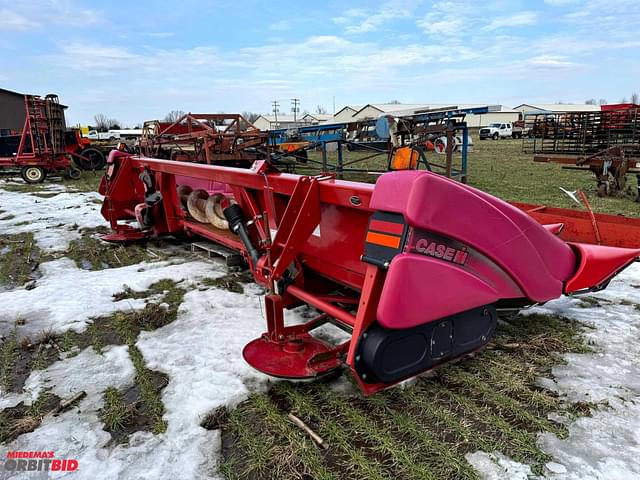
{"x": 137, "y": 60}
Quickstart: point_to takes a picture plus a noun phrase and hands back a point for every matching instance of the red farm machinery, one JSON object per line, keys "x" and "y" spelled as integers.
{"x": 606, "y": 142}
{"x": 414, "y": 268}
{"x": 205, "y": 138}
{"x": 44, "y": 145}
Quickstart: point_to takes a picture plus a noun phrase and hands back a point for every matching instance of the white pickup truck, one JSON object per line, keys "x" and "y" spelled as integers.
{"x": 496, "y": 131}
{"x": 96, "y": 135}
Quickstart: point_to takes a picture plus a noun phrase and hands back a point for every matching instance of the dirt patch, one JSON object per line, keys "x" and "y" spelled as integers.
{"x": 19, "y": 259}
{"x": 45, "y": 195}
{"x": 18, "y": 358}
{"x": 91, "y": 253}
{"x": 129, "y": 412}
{"x": 21, "y": 419}
{"x": 232, "y": 282}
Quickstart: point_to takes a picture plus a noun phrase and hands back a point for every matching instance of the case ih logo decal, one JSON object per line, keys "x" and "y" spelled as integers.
{"x": 440, "y": 250}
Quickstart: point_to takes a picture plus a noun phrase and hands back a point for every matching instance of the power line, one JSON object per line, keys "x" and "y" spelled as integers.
{"x": 276, "y": 109}
{"x": 295, "y": 107}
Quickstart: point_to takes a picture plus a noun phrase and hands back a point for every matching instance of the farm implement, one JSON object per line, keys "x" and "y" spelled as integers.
{"x": 205, "y": 138}
{"x": 39, "y": 148}
{"x": 414, "y": 268}
{"x": 606, "y": 143}
{"x": 44, "y": 146}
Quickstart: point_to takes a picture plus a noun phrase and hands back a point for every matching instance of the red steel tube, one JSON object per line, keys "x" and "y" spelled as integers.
{"x": 332, "y": 310}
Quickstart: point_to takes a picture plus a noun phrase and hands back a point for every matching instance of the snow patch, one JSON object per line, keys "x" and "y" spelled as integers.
{"x": 495, "y": 466}
{"x": 607, "y": 444}
{"x": 65, "y": 297}
{"x": 50, "y": 219}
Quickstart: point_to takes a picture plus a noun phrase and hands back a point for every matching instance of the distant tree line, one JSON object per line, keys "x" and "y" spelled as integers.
{"x": 104, "y": 123}
{"x": 634, "y": 98}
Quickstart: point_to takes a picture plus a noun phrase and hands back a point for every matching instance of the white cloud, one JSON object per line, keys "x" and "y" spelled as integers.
{"x": 160, "y": 34}
{"x": 359, "y": 21}
{"x": 519, "y": 19}
{"x": 448, "y": 18}
{"x": 449, "y": 26}
{"x": 42, "y": 13}
{"x": 551, "y": 62}
{"x": 280, "y": 26}
{"x": 10, "y": 20}
{"x": 348, "y": 16}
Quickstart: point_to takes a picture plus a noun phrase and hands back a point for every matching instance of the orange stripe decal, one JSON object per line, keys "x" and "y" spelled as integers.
{"x": 382, "y": 239}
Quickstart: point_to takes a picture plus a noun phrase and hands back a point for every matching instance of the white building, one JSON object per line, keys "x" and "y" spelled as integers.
{"x": 556, "y": 108}
{"x": 269, "y": 122}
{"x": 316, "y": 118}
{"x": 345, "y": 114}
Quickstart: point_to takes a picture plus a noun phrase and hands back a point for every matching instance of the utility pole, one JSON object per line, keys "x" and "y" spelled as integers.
{"x": 276, "y": 104}
{"x": 295, "y": 108}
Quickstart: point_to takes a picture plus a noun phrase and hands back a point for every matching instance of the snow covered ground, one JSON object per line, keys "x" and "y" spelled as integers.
{"x": 607, "y": 444}
{"x": 53, "y": 221}
{"x": 201, "y": 354}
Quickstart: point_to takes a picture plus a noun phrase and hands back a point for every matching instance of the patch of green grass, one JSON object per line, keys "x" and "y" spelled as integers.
{"x": 89, "y": 252}
{"x": 88, "y": 182}
{"x": 67, "y": 342}
{"x": 306, "y": 458}
{"x": 231, "y": 281}
{"x": 129, "y": 325}
{"x": 20, "y": 255}
{"x": 489, "y": 401}
{"x": 502, "y": 169}
{"x": 24, "y": 187}
{"x": 8, "y": 217}
{"x": 8, "y": 357}
{"x": 149, "y": 391}
{"x": 116, "y": 414}
{"x": 41, "y": 404}
{"x": 19, "y": 357}
{"x": 41, "y": 359}
{"x": 94, "y": 332}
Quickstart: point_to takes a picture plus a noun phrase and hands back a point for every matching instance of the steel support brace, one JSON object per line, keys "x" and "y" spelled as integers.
{"x": 300, "y": 218}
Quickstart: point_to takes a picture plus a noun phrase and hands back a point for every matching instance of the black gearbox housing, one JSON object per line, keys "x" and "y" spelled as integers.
{"x": 387, "y": 356}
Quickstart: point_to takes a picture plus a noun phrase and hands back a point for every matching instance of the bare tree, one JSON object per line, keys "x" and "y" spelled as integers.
{"x": 321, "y": 110}
{"x": 602, "y": 101}
{"x": 635, "y": 98}
{"x": 623, "y": 100}
{"x": 102, "y": 122}
{"x": 173, "y": 116}
{"x": 394, "y": 102}
{"x": 250, "y": 116}
{"x": 591, "y": 101}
